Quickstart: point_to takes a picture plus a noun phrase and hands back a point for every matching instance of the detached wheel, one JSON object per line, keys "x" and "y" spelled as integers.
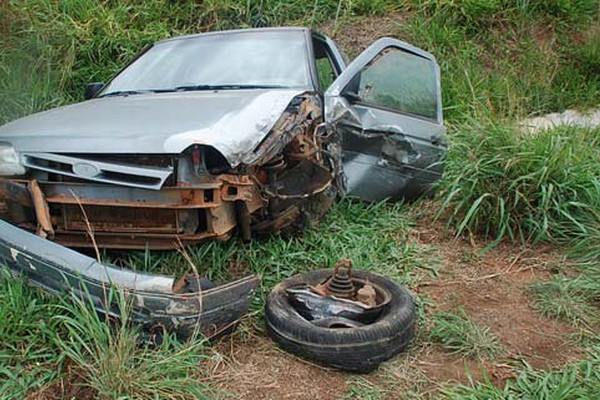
{"x": 342, "y": 340}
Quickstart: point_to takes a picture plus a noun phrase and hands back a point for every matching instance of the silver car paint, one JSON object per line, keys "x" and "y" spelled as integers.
{"x": 97, "y": 171}
{"x": 233, "y": 121}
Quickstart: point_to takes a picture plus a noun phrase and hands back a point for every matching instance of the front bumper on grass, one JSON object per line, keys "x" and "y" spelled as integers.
{"x": 154, "y": 298}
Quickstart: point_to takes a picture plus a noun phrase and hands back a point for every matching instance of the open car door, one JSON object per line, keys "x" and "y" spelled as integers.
{"x": 387, "y": 107}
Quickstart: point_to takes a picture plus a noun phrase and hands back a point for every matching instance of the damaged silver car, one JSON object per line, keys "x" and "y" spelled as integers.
{"x": 206, "y": 136}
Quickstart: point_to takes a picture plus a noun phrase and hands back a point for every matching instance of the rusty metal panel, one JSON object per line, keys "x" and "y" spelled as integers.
{"x": 128, "y": 241}
{"x": 120, "y": 219}
{"x": 110, "y": 195}
{"x": 15, "y": 201}
{"x": 223, "y": 219}
{"x": 42, "y": 212}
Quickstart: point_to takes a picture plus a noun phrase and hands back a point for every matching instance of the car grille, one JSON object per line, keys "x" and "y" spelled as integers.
{"x": 128, "y": 170}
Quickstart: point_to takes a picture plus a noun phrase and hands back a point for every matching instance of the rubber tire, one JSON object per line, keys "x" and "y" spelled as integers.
{"x": 351, "y": 349}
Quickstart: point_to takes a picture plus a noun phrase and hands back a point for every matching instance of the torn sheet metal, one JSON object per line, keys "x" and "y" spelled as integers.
{"x": 60, "y": 270}
{"x": 386, "y": 155}
{"x": 315, "y": 307}
{"x": 339, "y": 300}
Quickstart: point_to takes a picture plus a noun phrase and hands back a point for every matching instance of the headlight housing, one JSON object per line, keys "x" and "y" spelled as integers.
{"x": 9, "y": 161}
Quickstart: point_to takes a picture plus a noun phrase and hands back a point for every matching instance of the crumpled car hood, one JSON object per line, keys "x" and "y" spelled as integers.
{"x": 232, "y": 121}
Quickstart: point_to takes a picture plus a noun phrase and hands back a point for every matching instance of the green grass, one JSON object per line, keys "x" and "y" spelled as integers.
{"x": 562, "y": 298}
{"x": 577, "y": 381}
{"x": 374, "y": 237}
{"x": 43, "y": 337}
{"x": 511, "y": 59}
{"x": 110, "y": 360}
{"x": 525, "y": 187}
{"x": 572, "y": 296}
{"x": 531, "y": 58}
{"x": 363, "y": 389}
{"x": 28, "y": 357}
{"x": 459, "y": 334}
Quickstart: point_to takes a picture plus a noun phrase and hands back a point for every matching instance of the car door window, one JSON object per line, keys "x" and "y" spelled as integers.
{"x": 326, "y": 71}
{"x": 400, "y": 81}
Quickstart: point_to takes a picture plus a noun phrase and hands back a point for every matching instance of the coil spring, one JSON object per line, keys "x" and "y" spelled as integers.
{"x": 277, "y": 163}
{"x": 340, "y": 284}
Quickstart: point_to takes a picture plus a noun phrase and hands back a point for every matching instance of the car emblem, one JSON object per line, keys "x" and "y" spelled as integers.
{"x": 85, "y": 169}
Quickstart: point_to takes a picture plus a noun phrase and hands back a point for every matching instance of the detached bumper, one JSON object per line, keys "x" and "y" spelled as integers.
{"x": 60, "y": 270}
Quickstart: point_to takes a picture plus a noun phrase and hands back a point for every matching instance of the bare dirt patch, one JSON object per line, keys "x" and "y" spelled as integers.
{"x": 255, "y": 369}
{"x": 355, "y": 35}
{"x": 494, "y": 289}
{"x": 70, "y": 386}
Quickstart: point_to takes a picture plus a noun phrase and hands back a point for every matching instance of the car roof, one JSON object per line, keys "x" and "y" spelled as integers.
{"x": 236, "y": 31}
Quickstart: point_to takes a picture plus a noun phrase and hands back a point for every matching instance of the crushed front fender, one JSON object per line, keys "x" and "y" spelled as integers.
{"x": 60, "y": 270}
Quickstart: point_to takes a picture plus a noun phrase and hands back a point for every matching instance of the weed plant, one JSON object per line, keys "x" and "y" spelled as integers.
{"x": 28, "y": 358}
{"x": 526, "y": 187}
{"x": 39, "y": 334}
{"x": 459, "y": 334}
{"x": 110, "y": 358}
{"x": 563, "y": 298}
{"x": 577, "y": 381}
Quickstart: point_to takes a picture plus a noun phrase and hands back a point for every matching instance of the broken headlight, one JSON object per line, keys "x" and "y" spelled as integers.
{"x": 9, "y": 161}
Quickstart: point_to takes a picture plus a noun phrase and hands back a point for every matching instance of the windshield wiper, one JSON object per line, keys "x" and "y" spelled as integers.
{"x": 190, "y": 88}
{"x": 225, "y": 87}
{"x": 125, "y": 93}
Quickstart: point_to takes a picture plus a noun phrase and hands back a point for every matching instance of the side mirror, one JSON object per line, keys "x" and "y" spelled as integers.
{"x": 351, "y": 96}
{"x": 352, "y": 89}
{"x": 92, "y": 89}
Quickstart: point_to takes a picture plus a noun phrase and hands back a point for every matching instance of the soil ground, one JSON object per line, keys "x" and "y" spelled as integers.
{"x": 494, "y": 290}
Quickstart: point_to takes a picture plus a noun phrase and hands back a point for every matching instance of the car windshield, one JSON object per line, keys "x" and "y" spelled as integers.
{"x": 239, "y": 60}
